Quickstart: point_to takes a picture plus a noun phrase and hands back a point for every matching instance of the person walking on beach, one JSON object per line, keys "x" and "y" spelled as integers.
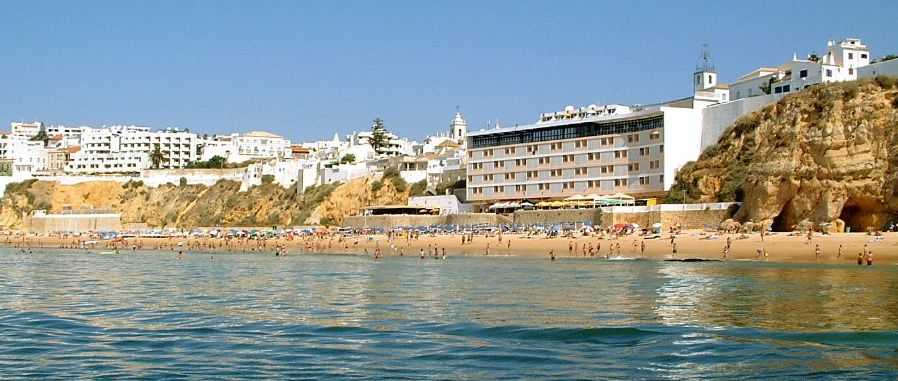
{"x": 840, "y": 252}
{"x": 726, "y": 251}
{"x": 570, "y": 248}
{"x": 675, "y": 249}
{"x": 810, "y": 235}
{"x": 444, "y": 253}
{"x": 552, "y": 255}
{"x": 642, "y": 247}
{"x": 760, "y": 251}
{"x": 634, "y": 245}
{"x": 487, "y": 249}
{"x": 870, "y": 258}
{"x": 422, "y": 253}
{"x": 817, "y": 252}
{"x": 860, "y": 259}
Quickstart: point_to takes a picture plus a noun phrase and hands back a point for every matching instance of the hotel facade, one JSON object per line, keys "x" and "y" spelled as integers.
{"x": 635, "y": 151}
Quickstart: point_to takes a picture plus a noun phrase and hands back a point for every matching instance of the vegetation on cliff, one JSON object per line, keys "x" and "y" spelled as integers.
{"x": 185, "y": 205}
{"x": 825, "y": 153}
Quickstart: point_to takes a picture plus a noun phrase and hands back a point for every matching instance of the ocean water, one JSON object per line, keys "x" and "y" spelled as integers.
{"x": 146, "y": 315}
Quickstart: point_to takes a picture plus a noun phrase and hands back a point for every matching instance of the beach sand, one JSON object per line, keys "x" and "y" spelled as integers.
{"x": 781, "y": 247}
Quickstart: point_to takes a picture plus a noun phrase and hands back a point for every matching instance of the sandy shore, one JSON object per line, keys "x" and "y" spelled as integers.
{"x": 690, "y": 244}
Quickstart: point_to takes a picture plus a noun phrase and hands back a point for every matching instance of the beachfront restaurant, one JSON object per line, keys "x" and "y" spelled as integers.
{"x": 590, "y": 201}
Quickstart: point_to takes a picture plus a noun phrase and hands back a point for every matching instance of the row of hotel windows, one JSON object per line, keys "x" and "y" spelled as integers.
{"x": 603, "y": 142}
{"x": 570, "y": 131}
{"x": 581, "y": 171}
{"x": 568, "y": 185}
{"x": 592, "y": 156}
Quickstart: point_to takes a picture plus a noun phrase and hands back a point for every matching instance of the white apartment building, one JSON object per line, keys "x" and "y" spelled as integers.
{"x": 27, "y": 156}
{"x": 395, "y": 146}
{"x": 27, "y": 130}
{"x": 253, "y": 145}
{"x": 128, "y": 149}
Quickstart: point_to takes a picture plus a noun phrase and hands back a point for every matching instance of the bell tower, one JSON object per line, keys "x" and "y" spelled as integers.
{"x": 705, "y": 74}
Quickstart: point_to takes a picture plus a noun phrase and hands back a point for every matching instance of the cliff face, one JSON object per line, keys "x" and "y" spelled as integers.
{"x": 221, "y": 204}
{"x": 825, "y": 153}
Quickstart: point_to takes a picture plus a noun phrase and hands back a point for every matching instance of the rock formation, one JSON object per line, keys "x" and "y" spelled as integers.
{"x": 825, "y": 153}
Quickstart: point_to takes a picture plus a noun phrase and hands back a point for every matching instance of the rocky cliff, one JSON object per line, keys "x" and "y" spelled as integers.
{"x": 221, "y": 204}
{"x": 826, "y": 153}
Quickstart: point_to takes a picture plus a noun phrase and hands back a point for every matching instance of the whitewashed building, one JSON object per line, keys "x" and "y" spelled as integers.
{"x": 27, "y": 156}
{"x": 253, "y": 145}
{"x": 841, "y": 62}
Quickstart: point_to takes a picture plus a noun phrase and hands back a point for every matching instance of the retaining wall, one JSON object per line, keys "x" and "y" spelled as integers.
{"x": 389, "y": 221}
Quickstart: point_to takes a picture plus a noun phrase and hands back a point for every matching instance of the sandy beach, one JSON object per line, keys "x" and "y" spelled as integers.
{"x": 690, "y": 244}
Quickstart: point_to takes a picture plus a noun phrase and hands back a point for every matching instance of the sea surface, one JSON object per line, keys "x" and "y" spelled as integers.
{"x": 146, "y": 315}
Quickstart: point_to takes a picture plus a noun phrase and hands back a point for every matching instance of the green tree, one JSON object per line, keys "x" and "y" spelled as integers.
{"x": 216, "y": 162}
{"x": 156, "y": 157}
{"x": 267, "y": 179}
{"x": 182, "y": 182}
{"x": 347, "y": 159}
{"x": 41, "y": 135}
{"x": 378, "y": 139}
{"x": 888, "y": 57}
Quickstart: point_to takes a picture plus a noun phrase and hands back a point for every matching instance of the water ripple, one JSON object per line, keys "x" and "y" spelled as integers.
{"x": 72, "y": 315}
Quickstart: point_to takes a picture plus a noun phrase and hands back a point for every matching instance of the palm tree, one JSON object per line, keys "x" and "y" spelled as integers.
{"x": 156, "y": 157}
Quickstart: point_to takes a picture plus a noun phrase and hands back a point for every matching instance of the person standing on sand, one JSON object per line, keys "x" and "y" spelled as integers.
{"x": 760, "y": 251}
{"x": 570, "y": 248}
{"x": 840, "y": 252}
{"x": 487, "y": 248}
{"x": 642, "y": 247}
{"x": 508, "y": 248}
{"x": 634, "y": 245}
{"x": 444, "y": 253}
{"x": 675, "y": 249}
{"x": 860, "y": 259}
{"x": 817, "y": 252}
{"x": 810, "y": 235}
{"x": 552, "y": 255}
{"x": 422, "y": 253}
{"x": 726, "y": 250}
{"x": 870, "y": 258}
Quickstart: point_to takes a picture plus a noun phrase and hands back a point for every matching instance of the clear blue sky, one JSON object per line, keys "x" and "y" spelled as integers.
{"x": 309, "y": 69}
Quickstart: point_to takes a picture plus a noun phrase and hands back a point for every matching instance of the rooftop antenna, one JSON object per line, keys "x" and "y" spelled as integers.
{"x": 704, "y": 63}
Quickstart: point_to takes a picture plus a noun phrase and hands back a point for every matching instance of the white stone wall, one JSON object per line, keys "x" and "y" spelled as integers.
{"x": 682, "y": 140}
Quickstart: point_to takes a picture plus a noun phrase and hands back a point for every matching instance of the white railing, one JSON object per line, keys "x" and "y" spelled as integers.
{"x": 669, "y": 207}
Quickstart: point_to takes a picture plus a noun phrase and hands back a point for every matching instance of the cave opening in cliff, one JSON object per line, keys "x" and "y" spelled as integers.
{"x": 852, "y": 215}
{"x": 781, "y": 224}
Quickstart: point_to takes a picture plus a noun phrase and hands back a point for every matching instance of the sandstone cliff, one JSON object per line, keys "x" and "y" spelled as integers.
{"x": 826, "y": 153}
{"x": 221, "y": 204}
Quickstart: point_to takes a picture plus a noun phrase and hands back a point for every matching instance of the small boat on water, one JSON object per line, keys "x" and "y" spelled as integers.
{"x": 109, "y": 252}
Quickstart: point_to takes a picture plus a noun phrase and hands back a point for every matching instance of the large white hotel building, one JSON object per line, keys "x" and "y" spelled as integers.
{"x": 613, "y": 149}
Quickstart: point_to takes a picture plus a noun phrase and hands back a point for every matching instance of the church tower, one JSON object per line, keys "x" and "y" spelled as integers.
{"x": 705, "y": 74}
{"x": 458, "y": 129}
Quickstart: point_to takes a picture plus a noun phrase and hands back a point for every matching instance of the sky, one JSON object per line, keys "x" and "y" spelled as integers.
{"x": 307, "y": 69}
